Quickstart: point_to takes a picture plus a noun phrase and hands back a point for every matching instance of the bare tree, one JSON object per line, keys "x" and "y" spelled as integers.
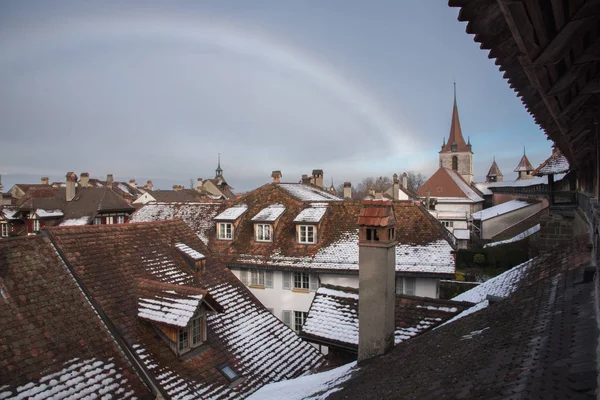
{"x": 379, "y": 184}
{"x": 415, "y": 180}
{"x": 192, "y": 183}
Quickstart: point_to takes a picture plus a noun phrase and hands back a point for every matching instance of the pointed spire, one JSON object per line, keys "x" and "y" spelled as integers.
{"x": 219, "y": 170}
{"x": 456, "y": 136}
{"x": 523, "y": 150}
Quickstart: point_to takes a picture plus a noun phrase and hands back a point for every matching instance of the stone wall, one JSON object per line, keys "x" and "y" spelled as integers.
{"x": 560, "y": 226}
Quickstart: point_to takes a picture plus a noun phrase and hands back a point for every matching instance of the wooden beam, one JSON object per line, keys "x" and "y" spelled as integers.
{"x": 593, "y": 87}
{"x": 592, "y": 53}
{"x": 565, "y": 82}
{"x": 577, "y": 102}
{"x": 562, "y": 42}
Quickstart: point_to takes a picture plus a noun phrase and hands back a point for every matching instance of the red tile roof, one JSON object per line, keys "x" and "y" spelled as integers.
{"x": 376, "y": 213}
{"x": 448, "y": 183}
{"x": 52, "y": 342}
{"x": 455, "y": 133}
{"x": 109, "y": 258}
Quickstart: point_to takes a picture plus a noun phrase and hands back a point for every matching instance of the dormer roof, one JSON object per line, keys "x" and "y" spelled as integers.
{"x": 312, "y": 214}
{"x": 557, "y": 163}
{"x": 456, "y": 136}
{"x": 269, "y": 214}
{"x": 187, "y": 250}
{"x": 232, "y": 213}
{"x": 170, "y": 304}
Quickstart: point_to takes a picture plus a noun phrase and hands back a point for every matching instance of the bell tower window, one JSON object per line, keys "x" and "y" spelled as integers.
{"x": 455, "y": 163}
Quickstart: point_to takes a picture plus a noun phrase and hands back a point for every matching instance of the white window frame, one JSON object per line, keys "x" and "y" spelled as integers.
{"x": 120, "y": 219}
{"x": 299, "y": 320}
{"x": 192, "y": 335}
{"x": 36, "y": 225}
{"x": 183, "y": 339}
{"x": 223, "y": 233}
{"x": 110, "y": 220}
{"x": 301, "y": 280}
{"x": 97, "y": 220}
{"x": 263, "y": 233}
{"x": 4, "y": 229}
{"x": 257, "y": 277}
{"x": 303, "y": 234}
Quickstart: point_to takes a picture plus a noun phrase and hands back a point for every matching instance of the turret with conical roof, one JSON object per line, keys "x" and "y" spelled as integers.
{"x": 524, "y": 169}
{"x": 219, "y": 170}
{"x": 494, "y": 174}
{"x": 456, "y": 154}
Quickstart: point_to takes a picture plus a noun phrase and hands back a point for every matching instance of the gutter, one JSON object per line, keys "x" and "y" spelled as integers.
{"x": 131, "y": 356}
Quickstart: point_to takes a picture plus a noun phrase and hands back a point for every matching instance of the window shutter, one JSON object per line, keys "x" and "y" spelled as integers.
{"x": 287, "y": 317}
{"x": 269, "y": 279}
{"x": 286, "y": 280}
{"x": 314, "y": 282}
{"x": 244, "y": 276}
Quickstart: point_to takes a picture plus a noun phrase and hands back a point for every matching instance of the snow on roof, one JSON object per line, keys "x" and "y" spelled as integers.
{"x": 315, "y": 387}
{"x": 307, "y": 192}
{"x": 516, "y": 238}
{"x": 269, "y": 214}
{"x": 557, "y": 164}
{"x": 448, "y": 214}
{"x": 464, "y": 186}
{"x": 75, "y": 221}
{"x": 314, "y": 213}
{"x": 169, "y": 309}
{"x": 78, "y": 379}
{"x": 9, "y": 213}
{"x": 500, "y": 209}
{"x": 462, "y": 234}
{"x": 483, "y": 188}
{"x": 196, "y": 255}
{"x": 432, "y": 258}
{"x": 333, "y": 315}
{"x": 536, "y": 180}
{"x": 198, "y": 216}
{"x": 502, "y": 285}
{"x": 232, "y": 213}
{"x": 41, "y": 213}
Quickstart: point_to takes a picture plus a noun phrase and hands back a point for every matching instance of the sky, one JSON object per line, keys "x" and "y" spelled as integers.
{"x": 156, "y": 90}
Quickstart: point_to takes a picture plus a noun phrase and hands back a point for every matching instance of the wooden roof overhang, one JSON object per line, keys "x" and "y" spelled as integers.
{"x": 549, "y": 51}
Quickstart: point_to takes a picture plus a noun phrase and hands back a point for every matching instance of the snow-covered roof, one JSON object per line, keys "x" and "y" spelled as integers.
{"x": 194, "y": 254}
{"x": 232, "y": 213}
{"x": 9, "y": 213}
{"x": 75, "y": 221}
{"x": 464, "y": 186}
{"x": 169, "y": 307}
{"x": 314, "y": 387}
{"x": 536, "y": 180}
{"x": 198, "y": 216}
{"x": 269, "y": 214}
{"x": 483, "y": 188}
{"x": 556, "y": 164}
{"x": 500, "y": 209}
{"x": 313, "y": 214}
{"x": 461, "y": 234}
{"x": 304, "y": 192}
{"x": 516, "y": 238}
{"x": 448, "y": 214}
{"x": 41, "y": 213}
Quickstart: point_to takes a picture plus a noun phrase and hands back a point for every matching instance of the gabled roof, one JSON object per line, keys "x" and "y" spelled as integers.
{"x": 494, "y": 170}
{"x": 447, "y": 183}
{"x": 246, "y": 336}
{"x": 555, "y": 164}
{"x": 307, "y": 192}
{"x": 333, "y": 316}
{"x": 501, "y": 209}
{"x": 511, "y": 348}
{"x": 455, "y": 133}
{"x": 232, "y": 213}
{"x": 524, "y": 165}
{"x": 312, "y": 214}
{"x": 54, "y": 345}
{"x": 270, "y": 213}
{"x": 424, "y": 244}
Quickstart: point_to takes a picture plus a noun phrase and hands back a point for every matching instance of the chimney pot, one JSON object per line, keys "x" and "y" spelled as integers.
{"x": 317, "y": 177}
{"x": 84, "y": 179}
{"x": 396, "y": 189}
{"x": 276, "y": 175}
{"x": 347, "y": 190}
{"x": 109, "y": 179}
{"x": 405, "y": 180}
{"x": 45, "y": 180}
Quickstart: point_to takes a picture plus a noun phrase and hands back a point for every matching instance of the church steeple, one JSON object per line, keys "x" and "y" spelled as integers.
{"x": 456, "y": 142}
{"x": 219, "y": 170}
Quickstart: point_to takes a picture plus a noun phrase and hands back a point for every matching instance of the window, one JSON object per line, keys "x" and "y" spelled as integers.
{"x": 36, "y": 225}
{"x": 391, "y": 233}
{"x": 455, "y": 162}
{"x": 263, "y": 233}
{"x": 409, "y": 286}
{"x": 448, "y": 224}
{"x": 306, "y": 234}
{"x": 197, "y": 330}
{"x": 121, "y": 219}
{"x": 4, "y": 230}
{"x": 257, "y": 277}
{"x": 229, "y": 373}
{"x": 225, "y": 230}
{"x": 183, "y": 342}
{"x": 109, "y": 220}
{"x": 299, "y": 320}
{"x": 301, "y": 280}
{"x": 372, "y": 234}
{"x": 97, "y": 221}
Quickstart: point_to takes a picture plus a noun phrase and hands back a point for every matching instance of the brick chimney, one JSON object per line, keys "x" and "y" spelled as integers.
{"x": 84, "y": 179}
{"x": 347, "y": 190}
{"x": 71, "y": 191}
{"x": 377, "y": 278}
{"x": 276, "y": 175}
{"x": 199, "y": 184}
{"x": 396, "y": 194}
{"x": 149, "y": 185}
{"x": 109, "y": 179}
{"x": 317, "y": 177}
{"x": 45, "y": 180}
{"x": 405, "y": 180}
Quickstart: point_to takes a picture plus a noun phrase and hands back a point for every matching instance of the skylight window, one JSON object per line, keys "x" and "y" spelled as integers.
{"x": 229, "y": 373}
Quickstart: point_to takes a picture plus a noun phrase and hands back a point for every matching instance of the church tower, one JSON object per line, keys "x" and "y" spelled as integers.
{"x": 494, "y": 174}
{"x": 456, "y": 154}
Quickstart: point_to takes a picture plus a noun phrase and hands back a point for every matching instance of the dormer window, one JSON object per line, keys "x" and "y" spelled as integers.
{"x": 225, "y": 231}
{"x": 372, "y": 234}
{"x": 263, "y": 232}
{"x": 306, "y": 234}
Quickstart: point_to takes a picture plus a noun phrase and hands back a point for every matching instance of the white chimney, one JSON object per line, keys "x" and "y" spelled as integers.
{"x": 405, "y": 180}
{"x": 199, "y": 184}
{"x": 347, "y": 190}
{"x": 84, "y": 179}
{"x": 396, "y": 194}
{"x": 71, "y": 191}
{"x": 109, "y": 179}
{"x": 45, "y": 180}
